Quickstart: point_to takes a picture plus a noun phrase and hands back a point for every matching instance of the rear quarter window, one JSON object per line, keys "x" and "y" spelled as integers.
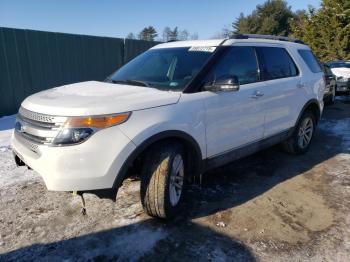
{"x": 310, "y": 60}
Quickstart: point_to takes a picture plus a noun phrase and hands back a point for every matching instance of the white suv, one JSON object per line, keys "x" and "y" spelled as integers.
{"x": 171, "y": 113}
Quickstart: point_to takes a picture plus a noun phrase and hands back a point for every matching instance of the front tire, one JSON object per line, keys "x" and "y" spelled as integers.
{"x": 162, "y": 180}
{"x": 299, "y": 142}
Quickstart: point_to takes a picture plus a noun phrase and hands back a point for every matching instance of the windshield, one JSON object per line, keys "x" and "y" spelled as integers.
{"x": 339, "y": 64}
{"x": 164, "y": 68}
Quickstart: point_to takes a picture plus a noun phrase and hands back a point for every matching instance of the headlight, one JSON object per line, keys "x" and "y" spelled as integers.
{"x": 78, "y": 129}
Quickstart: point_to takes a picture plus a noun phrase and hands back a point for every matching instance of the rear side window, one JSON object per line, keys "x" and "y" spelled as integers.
{"x": 275, "y": 63}
{"x": 238, "y": 61}
{"x": 310, "y": 60}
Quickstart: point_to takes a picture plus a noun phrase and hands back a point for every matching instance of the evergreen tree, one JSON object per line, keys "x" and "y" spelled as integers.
{"x": 148, "y": 33}
{"x": 326, "y": 30}
{"x": 270, "y": 18}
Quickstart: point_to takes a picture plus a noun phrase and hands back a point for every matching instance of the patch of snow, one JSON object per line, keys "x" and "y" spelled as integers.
{"x": 339, "y": 128}
{"x": 343, "y": 98}
{"x": 10, "y": 174}
{"x": 128, "y": 246}
{"x": 111, "y": 245}
{"x": 6, "y": 127}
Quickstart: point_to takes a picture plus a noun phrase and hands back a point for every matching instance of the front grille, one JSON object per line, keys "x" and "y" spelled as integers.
{"x": 27, "y": 143}
{"x": 35, "y": 116}
{"x": 34, "y": 129}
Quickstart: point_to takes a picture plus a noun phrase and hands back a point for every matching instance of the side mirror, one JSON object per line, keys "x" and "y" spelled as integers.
{"x": 224, "y": 84}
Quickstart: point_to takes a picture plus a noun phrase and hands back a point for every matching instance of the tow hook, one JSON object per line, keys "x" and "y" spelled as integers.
{"x": 83, "y": 209}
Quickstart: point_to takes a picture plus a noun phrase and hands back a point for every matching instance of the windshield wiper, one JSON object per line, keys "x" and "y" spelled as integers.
{"x": 131, "y": 82}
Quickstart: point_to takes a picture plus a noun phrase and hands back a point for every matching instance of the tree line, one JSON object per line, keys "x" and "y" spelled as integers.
{"x": 326, "y": 29}
{"x": 149, "y": 33}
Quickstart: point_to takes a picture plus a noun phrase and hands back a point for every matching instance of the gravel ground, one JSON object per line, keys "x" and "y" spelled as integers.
{"x": 268, "y": 207}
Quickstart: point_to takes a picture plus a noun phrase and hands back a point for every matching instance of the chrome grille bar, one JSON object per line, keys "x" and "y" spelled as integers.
{"x": 34, "y": 129}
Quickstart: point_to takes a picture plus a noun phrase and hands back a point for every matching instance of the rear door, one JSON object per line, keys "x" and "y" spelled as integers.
{"x": 282, "y": 90}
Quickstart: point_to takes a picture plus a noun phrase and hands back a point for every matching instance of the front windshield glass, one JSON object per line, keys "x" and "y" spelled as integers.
{"x": 164, "y": 68}
{"x": 339, "y": 65}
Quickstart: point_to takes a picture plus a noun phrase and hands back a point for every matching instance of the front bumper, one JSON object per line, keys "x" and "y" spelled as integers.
{"x": 91, "y": 165}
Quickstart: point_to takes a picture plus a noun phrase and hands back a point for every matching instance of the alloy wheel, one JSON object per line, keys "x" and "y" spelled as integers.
{"x": 305, "y": 133}
{"x": 176, "y": 180}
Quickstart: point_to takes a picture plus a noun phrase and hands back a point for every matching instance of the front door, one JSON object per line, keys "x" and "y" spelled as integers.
{"x": 235, "y": 118}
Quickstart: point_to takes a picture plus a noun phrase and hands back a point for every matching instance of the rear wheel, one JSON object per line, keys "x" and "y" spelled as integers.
{"x": 162, "y": 180}
{"x": 300, "y": 140}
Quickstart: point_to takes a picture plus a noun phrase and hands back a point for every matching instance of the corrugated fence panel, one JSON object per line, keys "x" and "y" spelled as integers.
{"x": 32, "y": 61}
{"x": 6, "y": 95}
{"x": 135, "y": 47}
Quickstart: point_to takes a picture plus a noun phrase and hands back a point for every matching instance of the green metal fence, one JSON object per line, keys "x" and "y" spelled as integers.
{"x": 31, "y": 61}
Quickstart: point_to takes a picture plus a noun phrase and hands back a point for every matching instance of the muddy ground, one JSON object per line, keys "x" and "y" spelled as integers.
{"x": 268, "y": 207}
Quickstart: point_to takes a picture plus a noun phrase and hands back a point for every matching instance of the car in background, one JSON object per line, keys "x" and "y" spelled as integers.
{"x": 341, "y": 69}
{"x": 330, "y": 85}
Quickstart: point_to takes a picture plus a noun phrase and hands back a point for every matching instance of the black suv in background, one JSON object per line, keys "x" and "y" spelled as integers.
{"x": 331, "y": 85}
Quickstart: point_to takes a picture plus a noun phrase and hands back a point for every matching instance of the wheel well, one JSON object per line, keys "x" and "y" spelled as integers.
{"x": 134, "y": 163}
{"x": 314, "y": 108}
{"x": 192, "y": 157}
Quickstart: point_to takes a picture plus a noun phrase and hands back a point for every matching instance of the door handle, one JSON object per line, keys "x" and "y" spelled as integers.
{"x": 257, "y": 94}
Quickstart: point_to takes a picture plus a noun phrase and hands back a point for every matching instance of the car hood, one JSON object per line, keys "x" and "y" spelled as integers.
{"x": 97, "y": 98}
{"x": 341, "y": 71}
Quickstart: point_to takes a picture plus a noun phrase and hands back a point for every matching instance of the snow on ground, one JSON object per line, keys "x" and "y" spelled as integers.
{"x": 339, "y": 128}
{"x": 9, "y": 173}
{"x": 129, "y": 240}
{"x": 6, "y": 127}
{"x": 260, "y": 206}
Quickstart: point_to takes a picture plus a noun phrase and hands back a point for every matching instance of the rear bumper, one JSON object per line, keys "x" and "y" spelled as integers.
{"x": 91, "y": 165}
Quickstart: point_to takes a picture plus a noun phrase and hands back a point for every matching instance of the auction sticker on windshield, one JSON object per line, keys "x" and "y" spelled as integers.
{"x": 202, "y": 49}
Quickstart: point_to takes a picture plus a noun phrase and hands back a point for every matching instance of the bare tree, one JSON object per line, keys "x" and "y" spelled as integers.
{"x": 174, "y": 34}
{"x": 194, "y": 36}
{"x": 184, "y": 35}
{"x": 166, "y": 34}
{"x": 225, "y": 32}
{"x": 130, "y": 36}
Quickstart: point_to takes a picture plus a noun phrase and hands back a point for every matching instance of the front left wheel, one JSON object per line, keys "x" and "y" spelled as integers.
{"x": 162, "y": 180}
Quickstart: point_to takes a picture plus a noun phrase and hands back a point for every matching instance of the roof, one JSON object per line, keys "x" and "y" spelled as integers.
{"x": 224, "y": 42}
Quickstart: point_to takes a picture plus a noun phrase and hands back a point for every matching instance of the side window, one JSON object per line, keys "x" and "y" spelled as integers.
{"x": 238, "y": 61}
{"x": 310, "y": 60}
{"x": 275, "y": 63}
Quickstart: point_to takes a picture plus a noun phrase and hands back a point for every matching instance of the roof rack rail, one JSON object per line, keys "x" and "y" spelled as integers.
{"x": 270, "y": 37}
